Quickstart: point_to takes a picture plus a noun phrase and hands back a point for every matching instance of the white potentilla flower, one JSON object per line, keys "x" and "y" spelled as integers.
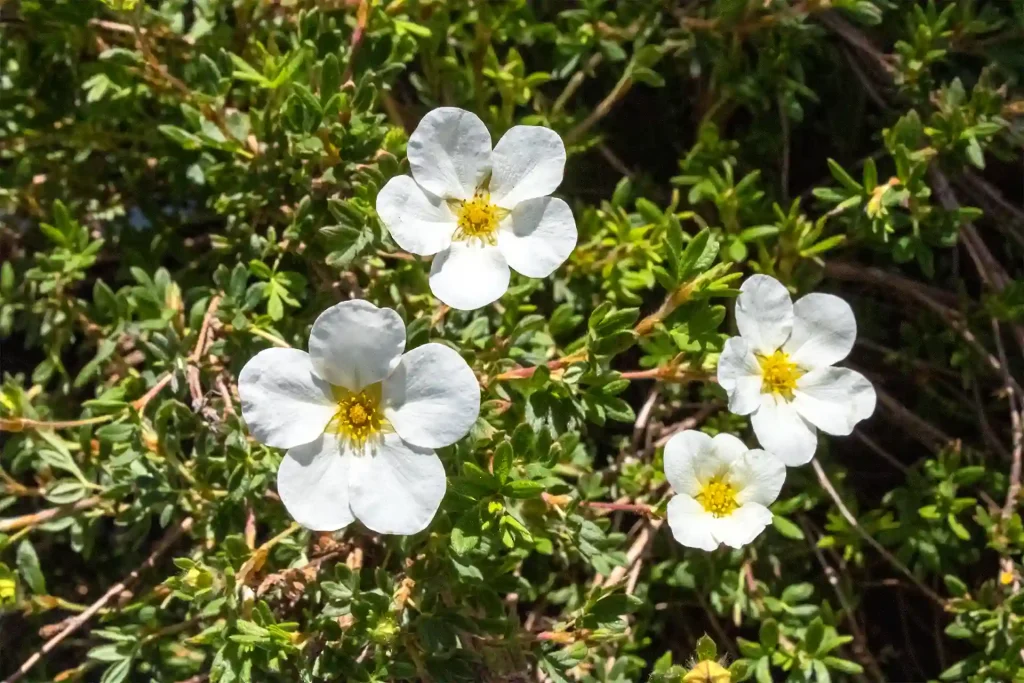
{"x": 723, "y": 489}
{"x": 360, "y": 419}
{"x": 480, "y": 210}
{"x": 779, "y": 370}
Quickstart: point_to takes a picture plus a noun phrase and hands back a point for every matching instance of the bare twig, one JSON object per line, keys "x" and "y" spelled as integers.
{"x": 36, "y": 518}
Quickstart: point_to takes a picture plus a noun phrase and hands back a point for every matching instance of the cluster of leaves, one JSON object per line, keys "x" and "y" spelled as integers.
{"x": 183, "y": 184}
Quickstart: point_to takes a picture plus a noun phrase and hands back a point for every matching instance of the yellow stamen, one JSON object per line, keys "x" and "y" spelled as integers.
{"x": 478, "y": 218}
{"x": 359, "y": 417}
{"x": 718, "y": 497}
{"x": 779, "y": 374}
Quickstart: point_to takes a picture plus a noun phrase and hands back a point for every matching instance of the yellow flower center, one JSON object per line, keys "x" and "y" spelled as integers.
{"x": 718, "y": 497}
{"x": 359, "y": 417}
{"x": 779, "y": 374}
{"x": 478, "y": 218}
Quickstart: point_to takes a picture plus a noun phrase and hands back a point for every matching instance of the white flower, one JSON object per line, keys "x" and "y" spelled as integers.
{"x": 779, "y": 370}
{"x": 360, "y": 419}
{"x": 723, "y": 490}
{"x": 480, "y": 210}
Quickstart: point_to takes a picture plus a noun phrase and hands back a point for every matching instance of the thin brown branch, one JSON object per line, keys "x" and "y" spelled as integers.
{"x": 36, "y": 518}
{"x": 826, "y": 484}
{"x": 623, "y": 86}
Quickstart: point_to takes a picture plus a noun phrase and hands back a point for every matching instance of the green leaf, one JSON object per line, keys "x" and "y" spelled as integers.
{"x": 245, "y": 72}
{"x": 787, "y": 528}
{"x": 611, "y": 607}
{"x": 814, "y": 635}
{"x": 330, "y": 78}
{"x": 523, "y": 488}
{"x": 28, "y": 567}
{"x": 117, "y": 672}
{"x": 706, "y": 648}
{"x": 844, "y": 665}
{"x": 699, "y": 254}
{"x": 769, "y": 634}
{"x": 503, "y": 458}
{"x": 844, "y": 178}
{"x": 466, "y": 532}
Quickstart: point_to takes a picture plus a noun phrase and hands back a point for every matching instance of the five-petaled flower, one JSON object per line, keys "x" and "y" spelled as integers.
{"x": 723, "y": 490}
{"x": 779, "y": 370}
{"x": 480, "y": 210}
{"x": 360, "y": 419}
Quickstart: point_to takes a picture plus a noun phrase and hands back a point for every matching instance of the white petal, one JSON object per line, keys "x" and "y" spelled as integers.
{"x": 450, "y": 153}
{"x": 421, "y": 223}
{"x": 728, "y": 448}
{"x": 313, "y": 482}
{"x": 824, "y": 330}
{"x": 739, "y": 373}
{"x": 690, "y": 523}
{"x": 758, "y": 477}
{"x": 764, "y": 313}
{"x": 467, "y": 275}
{"x": 398, "y": 488}
{"x": 538, "y": 236}
{"x": 834, "y": 399}
{"x": 527, "y": 162}
{"x": 782, "y": 432}
{"x": 683, "y": 454}
{"x": 432, "y": 398}
{"x": 742, "y": 526}
{"x": 284, "y": 402}
{"x": 354, "y": 343}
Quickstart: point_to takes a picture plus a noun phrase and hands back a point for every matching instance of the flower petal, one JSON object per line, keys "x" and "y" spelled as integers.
{"x": 782, "y": 432}
{"x": 420, "y": 222}
{"x": 527, "y": 162}
{"x": 690, "y": 523}
{"x": 764, "y": 313}
{"x": 758, "y": 477}
{"x": 313, "y": 482}
{"x": 398, "y": 488}
{"x": 467, "y": 275}
{"x": 683, "y": 454}
{"x": 742, "y": 526}
{"x": 284, "y": 402}
{"x": 727, "y": 448}
{"x": 354, "y": 343}
{"x": 538, "y": 236}
{"x": 834, "y": 399}
{"x": 432, "y": 397}
{"x": 824, "y": 330}
{"x": 450, "y": 153}
{"x": 739, "y": 373}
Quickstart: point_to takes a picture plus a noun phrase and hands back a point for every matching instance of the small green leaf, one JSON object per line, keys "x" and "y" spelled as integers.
{"x": 28, "y": 566}
{"x": 523, "y": 488}
{"x": 706, "y": 648}
{"x": 503, "y": 458}
{"x": 787, "y": 528}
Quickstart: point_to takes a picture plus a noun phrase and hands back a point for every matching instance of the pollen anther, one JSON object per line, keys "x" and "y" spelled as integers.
{"x": 779, "y": 374}
{"x": 359, "y": 417}
{"x": 478, "y": 218}
{"x": 718, "y": 497}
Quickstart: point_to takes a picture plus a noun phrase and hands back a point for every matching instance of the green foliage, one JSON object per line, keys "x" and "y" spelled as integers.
{"x": 184, "y": 184}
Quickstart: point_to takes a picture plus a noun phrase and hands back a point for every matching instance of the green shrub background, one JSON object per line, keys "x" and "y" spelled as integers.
{"x": 186, "y": 182}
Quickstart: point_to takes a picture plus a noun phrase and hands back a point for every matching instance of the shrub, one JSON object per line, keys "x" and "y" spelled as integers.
{"x": 185, "y": 184}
